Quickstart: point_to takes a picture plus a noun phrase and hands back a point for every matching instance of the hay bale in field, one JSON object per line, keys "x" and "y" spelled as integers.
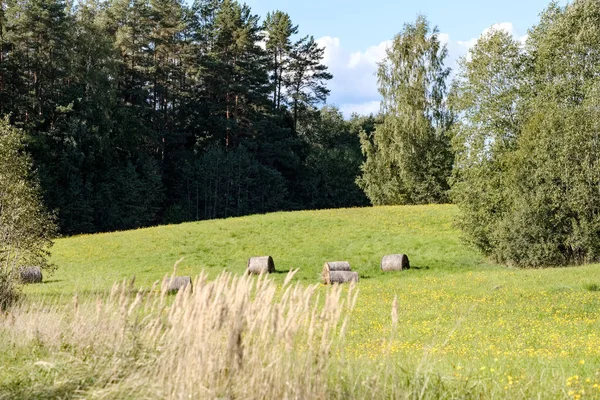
{"x": 30, "y": 274}
{"x": 337, "y": 266}
{"x": 331, "y": 277}
{"x": 395, "y": 262}
{"x": 261, "y": 265}
{"x": 177, "y": 283}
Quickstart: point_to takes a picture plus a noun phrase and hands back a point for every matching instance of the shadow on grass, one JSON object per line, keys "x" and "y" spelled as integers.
{"x": 64, "y": 297}
{"x": 282, "y": 271}
{"x": 49, "y": 281}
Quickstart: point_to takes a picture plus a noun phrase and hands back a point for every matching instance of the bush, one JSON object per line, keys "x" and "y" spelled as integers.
{"x": 26, "y": 229}
{"x": 527, "y": 170}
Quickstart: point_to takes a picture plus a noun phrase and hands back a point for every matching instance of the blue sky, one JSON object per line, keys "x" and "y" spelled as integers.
{"x": 355, "y": 32}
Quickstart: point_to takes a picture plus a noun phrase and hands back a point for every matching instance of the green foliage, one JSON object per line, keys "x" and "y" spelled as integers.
{"x": 485, "y": 132}
{"x": 26, "y": 229}
{"x": 121, "y": 102}
{"x": 527, "y": 169}
{"x": 332, "y": 164}
{"x": 408, "y": 157}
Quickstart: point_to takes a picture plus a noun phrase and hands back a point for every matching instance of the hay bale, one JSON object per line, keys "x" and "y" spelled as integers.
{"x": 30, "y": 274}
{"x": 331, "y": 277}
{"x": 337, "y": 266}
{"x": 395, "y": 262}
{"x": 177, "y": 283}
{"x": 261, "y": 265}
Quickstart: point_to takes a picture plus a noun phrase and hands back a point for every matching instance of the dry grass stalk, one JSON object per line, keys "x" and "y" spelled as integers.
{"x": 233, "y": 337}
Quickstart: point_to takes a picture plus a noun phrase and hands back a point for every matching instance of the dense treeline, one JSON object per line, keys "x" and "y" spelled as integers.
{"x": 516, "y": 139}
{"x": 139, "y": 112}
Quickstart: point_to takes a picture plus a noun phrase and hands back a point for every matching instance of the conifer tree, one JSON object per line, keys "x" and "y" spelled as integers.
{"x": 306, "y": 77}
{"x": 279, "y": 30}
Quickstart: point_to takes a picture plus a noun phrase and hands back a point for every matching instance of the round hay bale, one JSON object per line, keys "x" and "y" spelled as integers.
{"x": 261, "y": 265}
{"x": 331, "y": 277}
{"x": 30, "y": 274}
{"x": 177, "y": 283}
{"x": 395, "y": 262}
{"x": 337, "y": 266}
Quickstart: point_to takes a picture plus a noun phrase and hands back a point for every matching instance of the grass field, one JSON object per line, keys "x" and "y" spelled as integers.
{"x": 304, "y": 240}
{"x": 465, "y": 328}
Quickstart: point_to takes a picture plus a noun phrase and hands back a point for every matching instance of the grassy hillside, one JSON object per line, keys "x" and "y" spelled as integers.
{"x": 465, "y": 327}
{"x": 303, "y": 240}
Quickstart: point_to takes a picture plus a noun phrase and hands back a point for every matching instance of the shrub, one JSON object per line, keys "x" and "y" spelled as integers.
{"x": 26, "y": 229}
{"x": 527, "y": 166}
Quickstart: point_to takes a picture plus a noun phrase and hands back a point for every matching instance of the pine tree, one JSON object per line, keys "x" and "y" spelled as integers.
{"x": 306, "y": 78}
{"x": 37, "y": 37}
{"x": 279, "y": 29}
{"x": 235, "y": 73}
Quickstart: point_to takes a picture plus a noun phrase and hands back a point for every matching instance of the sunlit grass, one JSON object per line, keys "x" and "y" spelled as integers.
{"x": 303, "y": 240}
{"x": 466, "y": 327}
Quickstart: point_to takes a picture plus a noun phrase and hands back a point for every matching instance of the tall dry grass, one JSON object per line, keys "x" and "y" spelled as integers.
{"x": 233, "y": 337}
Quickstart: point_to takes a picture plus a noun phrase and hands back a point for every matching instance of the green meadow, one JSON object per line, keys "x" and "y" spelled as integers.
{"x": 295, "y": 240}
{"x": 462, "y": 326}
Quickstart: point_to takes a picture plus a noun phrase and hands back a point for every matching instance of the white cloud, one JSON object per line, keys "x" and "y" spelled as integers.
{"x": 444, "y": 38}
{"x": 502, "y": 26}
{"x": 354, "y": 84}
{"x": 369, "y": 107}
{"x": 523, "y": 39}
{"x": 467, "y": 44}
{"x": 370, "y": 57}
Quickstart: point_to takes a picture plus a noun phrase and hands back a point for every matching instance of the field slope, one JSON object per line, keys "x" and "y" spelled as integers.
{"x": 484, "y": 328}
{"x": 303, "y": 240}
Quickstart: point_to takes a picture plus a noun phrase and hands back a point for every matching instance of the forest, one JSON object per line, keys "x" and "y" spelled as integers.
{"x": 138, "y": 113}
{"x": 149, "y": 112}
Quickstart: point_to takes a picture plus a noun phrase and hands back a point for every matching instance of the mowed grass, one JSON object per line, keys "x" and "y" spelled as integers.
{"x": 478, "y": 327}
{"x": 304, "y": 240}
